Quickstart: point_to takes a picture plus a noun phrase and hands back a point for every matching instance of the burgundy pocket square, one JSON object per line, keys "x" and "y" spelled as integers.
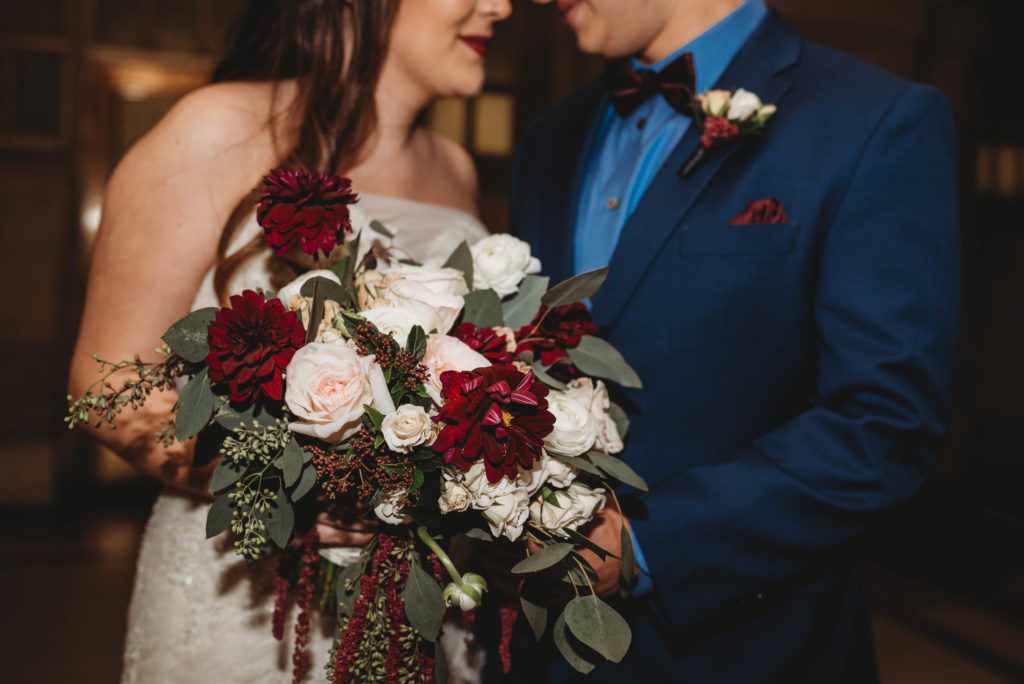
{"x": 767, "y": 210}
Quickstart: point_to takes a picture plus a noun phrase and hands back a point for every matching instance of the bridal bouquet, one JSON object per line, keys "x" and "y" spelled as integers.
{"x": 465, "y": 398}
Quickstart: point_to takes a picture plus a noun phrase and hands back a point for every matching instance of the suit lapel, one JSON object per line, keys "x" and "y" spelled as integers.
{"x": 760, "y": 68}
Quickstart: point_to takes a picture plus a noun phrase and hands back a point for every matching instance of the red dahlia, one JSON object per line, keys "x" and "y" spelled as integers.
{"x": 553, "y": 332}
{"x": 307, "y": 209}
{"x": 495, "y": 414}
{"x": 484, "y": 340}
{"x": 251, "y": 343}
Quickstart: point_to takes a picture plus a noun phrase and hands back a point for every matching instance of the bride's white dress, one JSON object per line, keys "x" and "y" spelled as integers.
{"x": 198, "y": 615}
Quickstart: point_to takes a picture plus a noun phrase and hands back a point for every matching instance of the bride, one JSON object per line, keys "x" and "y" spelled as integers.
{"x": 328, "y": 85}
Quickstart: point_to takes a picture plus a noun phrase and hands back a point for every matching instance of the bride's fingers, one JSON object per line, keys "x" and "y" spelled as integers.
{"x": 335, "y": 536}
{"x": 352, "y": 524}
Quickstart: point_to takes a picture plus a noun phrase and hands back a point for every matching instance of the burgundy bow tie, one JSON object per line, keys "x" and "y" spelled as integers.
{"x": 629, "y": 87}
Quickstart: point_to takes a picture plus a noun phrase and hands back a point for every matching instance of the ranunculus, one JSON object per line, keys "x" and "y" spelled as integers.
{"x": 576, "y": 507}
{"x": 305, "y": 209}
{"x": 409, "y": 426}
{"x": 397, "y": 321}
{"x": 744, "y": 105}
{"x": 327, "y": 387}
{"x": 444, "y": 354}
{"x": 509, "y": 512}
{"x": 454, "y": 498}
{"x": 286, "y": 293}
{"x": 494, "y": 414}
{"x": 717, "y": 128}
{"x": 437, "y": 293}
{"x": 574, "y": 431}
{"x": 251, "y": 342}
{"x": 389, "y": 508}
{"x": 487, "y": 341}
{"x": 552, "y": 334}
{"x": 500, "y": 262}
{"x": 594, "y": 395}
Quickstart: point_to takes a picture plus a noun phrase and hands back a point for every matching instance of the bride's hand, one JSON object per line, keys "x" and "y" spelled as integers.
{"x": 343, "y": 527}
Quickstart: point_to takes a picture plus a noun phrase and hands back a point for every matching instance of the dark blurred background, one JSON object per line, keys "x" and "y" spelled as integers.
{"x": 81, "y": 80}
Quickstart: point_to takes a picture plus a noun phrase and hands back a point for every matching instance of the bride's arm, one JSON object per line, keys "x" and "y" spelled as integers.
{"x": 165, "y": 208}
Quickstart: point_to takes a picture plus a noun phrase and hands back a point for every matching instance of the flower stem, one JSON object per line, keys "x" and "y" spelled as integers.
{"x": 441, "y": 555}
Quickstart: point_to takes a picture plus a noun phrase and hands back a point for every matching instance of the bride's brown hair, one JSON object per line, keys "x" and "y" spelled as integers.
{"x": 305, "y": 40}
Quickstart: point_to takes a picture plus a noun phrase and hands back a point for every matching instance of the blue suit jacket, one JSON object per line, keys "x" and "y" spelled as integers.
{"x": 798, "y": 376}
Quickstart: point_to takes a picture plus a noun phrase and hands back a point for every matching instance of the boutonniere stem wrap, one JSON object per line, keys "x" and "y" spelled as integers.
{"x": 726, "y": 117}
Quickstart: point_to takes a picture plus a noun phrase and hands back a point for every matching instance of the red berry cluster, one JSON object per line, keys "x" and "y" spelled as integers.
{"x": 339, "y": 473}
{"x": 402, "y": 363}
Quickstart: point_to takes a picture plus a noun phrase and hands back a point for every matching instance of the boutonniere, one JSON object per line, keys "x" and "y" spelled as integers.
{"x": 726, "y": 117}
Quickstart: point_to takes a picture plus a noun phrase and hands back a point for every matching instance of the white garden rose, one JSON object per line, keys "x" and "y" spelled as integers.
{"x": 288, "y": 292}
{"x": 326, "y": 387}
{"x": 482, "y": 491}
{"x": 534, "y": 478}
{"x": 508, "y": 513}
{"x": 446, "y": 353}
{"x": 437, "y": 293}
{"x": 574, "y": 431}
{"x": 594, "y": 395}
{"x": 397, "y": 321}
{"x": 409, "y": 426}
{"x": 743, "y": 105}
{"x": 576, "y": 507}
{"x": 389, "y": 508}
{"x": 500, "y": 262}
{"x": 560, "y": 474}
{"x": 454, "y": 498}
{"x": 715, "y": 102}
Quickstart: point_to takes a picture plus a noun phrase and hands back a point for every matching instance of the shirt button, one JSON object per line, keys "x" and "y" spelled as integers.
{"x": 641, "y": 124}
{"x": 612, "y": 203}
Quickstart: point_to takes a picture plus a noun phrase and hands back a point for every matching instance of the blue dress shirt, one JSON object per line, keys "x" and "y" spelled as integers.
{"x": 628, "y": 152}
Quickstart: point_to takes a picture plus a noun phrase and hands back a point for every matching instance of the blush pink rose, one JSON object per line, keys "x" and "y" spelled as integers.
{"x": 446, "y": 353}
{"x": 326, "y": 387}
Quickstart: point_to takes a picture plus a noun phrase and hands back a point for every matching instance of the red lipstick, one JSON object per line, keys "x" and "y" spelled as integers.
{"x": 477, "y": 43}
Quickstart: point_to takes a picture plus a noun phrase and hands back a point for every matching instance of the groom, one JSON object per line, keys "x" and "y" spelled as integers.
{"x": 791, "y": 304}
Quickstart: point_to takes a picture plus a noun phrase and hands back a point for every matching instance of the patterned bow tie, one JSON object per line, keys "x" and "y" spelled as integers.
{"x": 629, "y": 87}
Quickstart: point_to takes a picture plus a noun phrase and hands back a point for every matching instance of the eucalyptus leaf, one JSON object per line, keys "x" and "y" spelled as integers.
{"x": 536, "y": 615}
{"x": 587, "y": 543}
{"x": 378, "y": 227}
{"x": 576, "y": 289}
{"x": 230, "y": 419}
{"x": 280, "y": 519}
{"x": 424, "y": 606}
{"x": 579, "y": 463}
{"x": 340, "y": 268}
{"x": 596, "y": 357}
{"x": 521, "y": 309}
{"x": 598, "y": 626}
{"x": 316, "y": 289}
{"x": 292, "y": 462}
{"x": 218, "y": 518}
{"x": 483, "y": 308}
{"x": 225, "y": 474}
{"x": 479, "y": 534}
{"x": 628, "y": 559}
{"x": 581, "y": 658}
{"x": 619, "y": 417}
{"x": 545, "y": 558}
{"x": 306, "y": 481}
{"x": 187, "y": 338}
{"x": 462, "y": 260}
{"x": 542, "y": 374}
{"x": 195, "y": 406}
{"x": 618, "y": 469}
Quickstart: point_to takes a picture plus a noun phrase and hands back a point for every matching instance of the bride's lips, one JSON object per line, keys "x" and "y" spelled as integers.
{"x": 566, "y": 7}
{"x": 477, "y": 43}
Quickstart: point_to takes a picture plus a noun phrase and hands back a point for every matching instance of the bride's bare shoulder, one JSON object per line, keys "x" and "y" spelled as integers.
{"x": 458, "y": 171}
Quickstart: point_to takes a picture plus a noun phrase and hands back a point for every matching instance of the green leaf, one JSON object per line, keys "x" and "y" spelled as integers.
{"x": 378, "y": 227}
{"x": 545, "y": 558}
{"x": 628, "y": 560}
{"x": 376, "y": 417}
{"x": 225, "y": 474}
{"x": 328, "y": 289}
{"x": 536, "y": 615}
{"x": 187, "y": 337}
{"x": 292, "y": 462}
{"x": 440, "y": 666}
{"x": 575, "y": 289}
{"x": 596, "y": 357}
{"x": 195, "y": 406}
{"x": 619, "y": 417}
{"x": 306, "y": 481}
{"x": 618, "y": 469}
{"x": 542, "y": 374}
{"x": 314, "y": 286}
{"x": 598, "y": 626}
{"x": 340, "y": 268}
{"x": 580, "y": 463}
{"x": 218, "y": 518}
{"x": 588, "y": 543}
{"x": 280, "y": 520}
{"x": 424, "y": 606}
{"x": 575, "y": 653}
{"x": 418, "y": 478}
{"x": 417, "y": 343}
{"x": 462, "y": 260}
{"x": 480, "y": 534}
{"x": 347, "y": 599}
{"x": 522, "y": 308}
{"x": 483, "y": 308}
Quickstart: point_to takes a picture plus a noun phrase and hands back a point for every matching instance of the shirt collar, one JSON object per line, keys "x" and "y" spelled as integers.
{"x": 715, "y": 48}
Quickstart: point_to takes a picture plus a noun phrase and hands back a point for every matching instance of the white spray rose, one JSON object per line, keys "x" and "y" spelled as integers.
{"x": 534, "y": 478}
{"x": 576, "y": 507}
{"x": 743, "y": 106}
{"x": 560, "y": 474}
{"x": 389, "y": 508}
{"x": 409, "y": 426}
{"x": 715, "y": 102}
{"x": 574, "y": 431}
{"x": 500, "y": 262}
{"x": 326, "y": 387}
{"x": 594, "y": 395}
{"x": 288, "y": 292}
{"x": 446, "y": 353}
{"x": 481, "y": 490}
{"x": 508, "y": 513}
{"x": 454, "y": 498}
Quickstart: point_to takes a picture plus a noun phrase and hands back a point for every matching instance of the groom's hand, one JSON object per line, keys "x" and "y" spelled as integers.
{"x": 605, "y": 530}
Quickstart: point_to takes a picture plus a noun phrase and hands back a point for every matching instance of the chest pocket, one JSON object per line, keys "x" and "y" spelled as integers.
{"x": 719, "y": 240}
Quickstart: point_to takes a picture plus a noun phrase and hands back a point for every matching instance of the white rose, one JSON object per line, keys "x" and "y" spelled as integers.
{"x": 481, "y": 490}
{"x": 534, "y": 478}
{"x": 326, "y": 387}
{"x": 500, "y": 262}
{"x": 715, "y": 102}
{"x": 389, "y": 508}
{"x": 574, "y": 431}
{"x": 743, "y": 106}
{"x": 576, "y": 507}
{"x": 560, "y": 474}
{"x": 293, "y": 288}
{"x": 397, "y": 321}
{"x": 436, "y": 293}
{"x": 454, "y": 497}
{"x": 409, "y": 426}
{"x": 446, "y": 353}
{"x": 508, "y": 513}
{"x": 595, "y": 397}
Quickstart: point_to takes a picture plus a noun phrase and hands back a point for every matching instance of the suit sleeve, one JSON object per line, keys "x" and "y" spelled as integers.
{"x": 886, "y": 311}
